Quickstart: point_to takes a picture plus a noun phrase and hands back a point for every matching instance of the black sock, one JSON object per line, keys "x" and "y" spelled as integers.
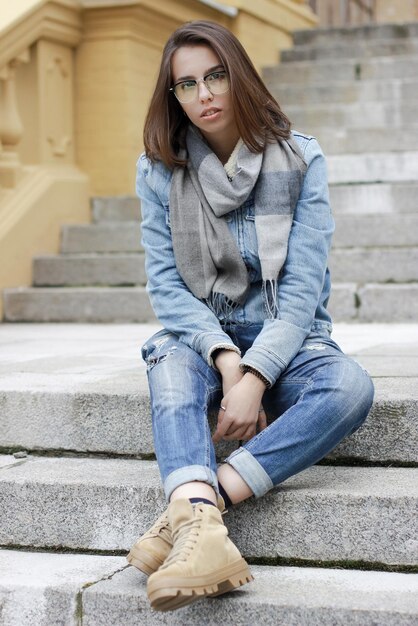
{"x": 203, "y": 500}
{"x": 225, "y": 496}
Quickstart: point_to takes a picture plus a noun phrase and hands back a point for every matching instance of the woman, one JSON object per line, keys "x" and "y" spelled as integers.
{"x": 236, "y": 230}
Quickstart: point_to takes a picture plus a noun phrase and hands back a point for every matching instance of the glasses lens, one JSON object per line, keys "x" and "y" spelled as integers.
{"x": 217, "y": 82}
{"x": 187, "y": 91}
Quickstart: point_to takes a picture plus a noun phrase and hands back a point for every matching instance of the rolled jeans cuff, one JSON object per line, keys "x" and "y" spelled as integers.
{"x": 250, "y": 471}
{"x": 190, "y": 474}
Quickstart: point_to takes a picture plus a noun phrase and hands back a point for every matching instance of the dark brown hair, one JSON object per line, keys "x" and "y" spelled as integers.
{"x": 257, "y": 113}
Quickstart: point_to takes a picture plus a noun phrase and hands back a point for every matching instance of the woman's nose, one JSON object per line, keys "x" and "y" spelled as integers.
{"x": 204, "y": 93}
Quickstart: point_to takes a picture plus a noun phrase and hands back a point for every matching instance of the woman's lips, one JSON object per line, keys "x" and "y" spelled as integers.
{"x": 210, "y": 113}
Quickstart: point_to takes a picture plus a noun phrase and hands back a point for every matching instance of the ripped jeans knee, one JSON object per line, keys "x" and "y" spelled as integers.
{"x": 158, "y": 347}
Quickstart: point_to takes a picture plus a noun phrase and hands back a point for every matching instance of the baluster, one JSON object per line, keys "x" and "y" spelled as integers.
{"x": 11, "y": 127}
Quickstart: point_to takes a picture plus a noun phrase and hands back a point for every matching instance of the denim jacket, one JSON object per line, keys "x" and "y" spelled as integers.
{"x": 304, "y": 281}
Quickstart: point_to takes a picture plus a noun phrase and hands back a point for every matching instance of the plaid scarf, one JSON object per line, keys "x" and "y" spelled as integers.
{"x": 201, "y": 195}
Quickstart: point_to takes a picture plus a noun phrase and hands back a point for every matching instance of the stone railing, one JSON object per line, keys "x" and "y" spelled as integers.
{"x": 334, "y": 13}
{"x": 344, "y": 12}
{"x": 36, "y": 88}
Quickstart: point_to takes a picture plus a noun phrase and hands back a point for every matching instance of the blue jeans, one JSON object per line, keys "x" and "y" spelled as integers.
{"x": 321, "y": 397}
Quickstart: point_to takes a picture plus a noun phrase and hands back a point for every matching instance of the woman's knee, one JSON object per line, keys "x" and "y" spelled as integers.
{"x": 355, "y": 393}
{"x": 175, "y": 369}
{"x": 158, "y": 347}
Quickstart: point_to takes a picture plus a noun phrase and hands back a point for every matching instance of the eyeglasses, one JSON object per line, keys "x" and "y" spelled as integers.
{"x": 187, "y": 90}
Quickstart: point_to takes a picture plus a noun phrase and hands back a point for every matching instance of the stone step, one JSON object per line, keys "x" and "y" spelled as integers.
{"x": 374, "y": 302}
{"x": 357, "y": 140}
{"x": 374, "y": 265}
{"x": 382, "y": 115}
{"x": 362, "y": 227}
{"x": 279, "y": 596}
{"x": 39, "y": 588}
{"x": 372, "y": 167}
{"x": 77, "y": 304}
{"x": 351, "y": 34}
{"x": 365, "y": 198}
{"x": 388, "y": 303}
{"x": 109, "y": 209}
{"x": 387, "y": 229}
{"x": 351, "y": 50}
{"x": 330, "y": 70}
{"x": 392, "y": 91}
{"x": 381, "y": 198}
{"x": 104, "y": 504}
{"x": 101, "y": 590}
{"x": 83, "y": 389}
{"x": 90, "y": 269}
{"x": 118, "y": 236}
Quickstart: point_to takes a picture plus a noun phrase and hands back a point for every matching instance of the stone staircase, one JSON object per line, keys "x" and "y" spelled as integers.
{"x": 335, "y": 545}
{"x": 362, "y": 104}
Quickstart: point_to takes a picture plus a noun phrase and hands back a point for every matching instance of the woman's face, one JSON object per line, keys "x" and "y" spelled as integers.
{"x": 211, "y": 113}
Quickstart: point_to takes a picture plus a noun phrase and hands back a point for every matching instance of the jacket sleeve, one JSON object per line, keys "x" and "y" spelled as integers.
{"x": 178, "y": 310}
{"x": 302, "y": 279}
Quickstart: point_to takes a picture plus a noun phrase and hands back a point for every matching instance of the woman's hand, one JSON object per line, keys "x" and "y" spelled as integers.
{"x": 227, "y": 362}
{"x": 242, "y": 410}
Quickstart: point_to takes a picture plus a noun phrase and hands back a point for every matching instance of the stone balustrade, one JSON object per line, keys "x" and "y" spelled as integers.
{"x": 11, "y": 127}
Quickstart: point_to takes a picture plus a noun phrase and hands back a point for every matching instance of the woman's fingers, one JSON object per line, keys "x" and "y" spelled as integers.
{"x": 262, "y": 419}
{"x": 224, "y": 423}
{"x": 227, "y": 428}
{"x": 240, "y": 434}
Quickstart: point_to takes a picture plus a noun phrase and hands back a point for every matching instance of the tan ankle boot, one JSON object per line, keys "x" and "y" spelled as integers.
{"x": 151, "y": 550}
{"x": 203, "y": 561}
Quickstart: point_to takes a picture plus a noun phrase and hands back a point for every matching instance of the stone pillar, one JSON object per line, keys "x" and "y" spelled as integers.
{"x": 56, "y": 111}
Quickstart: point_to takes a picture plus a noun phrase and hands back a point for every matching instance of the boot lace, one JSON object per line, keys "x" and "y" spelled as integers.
{"x": 161, "y": 528}
{"x": 184, "y": 540}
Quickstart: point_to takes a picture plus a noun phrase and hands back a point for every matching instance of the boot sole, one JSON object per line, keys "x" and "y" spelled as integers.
{"x": 148, "y": 564}
{"x": 173, "y": 593}
{"x": 143, "y": 561}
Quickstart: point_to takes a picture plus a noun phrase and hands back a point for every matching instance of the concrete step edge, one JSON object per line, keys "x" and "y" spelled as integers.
{"x": 139, "y": 256}
{"x": 104, "y": 589}
{"x": 371, "y": 302}
{"x": 113, "y": 417}
{"x": 370, "y": 32}
{"x": 106, "y": 504}
{"x": 378, "y": 60}
{"x": 351, "y": 50}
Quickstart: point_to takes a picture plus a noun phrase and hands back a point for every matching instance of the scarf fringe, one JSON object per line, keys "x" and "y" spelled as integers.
{"x": 220, "y": 305}
{"x": 269, "y": 292}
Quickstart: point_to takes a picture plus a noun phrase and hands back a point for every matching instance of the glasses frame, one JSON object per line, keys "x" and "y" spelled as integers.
{"x": 201, "y": 80}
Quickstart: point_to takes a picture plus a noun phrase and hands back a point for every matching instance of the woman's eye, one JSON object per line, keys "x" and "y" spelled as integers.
{"x": 215, "y": 76}
{"x": 187, "y": 85}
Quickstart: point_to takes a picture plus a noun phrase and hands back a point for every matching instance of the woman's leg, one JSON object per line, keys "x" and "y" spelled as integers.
{"x": 322, "y": 397}
{"x": 181, "y": 387}
{"x": 180, "y": 384}
{"x": 202, "y": 560}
